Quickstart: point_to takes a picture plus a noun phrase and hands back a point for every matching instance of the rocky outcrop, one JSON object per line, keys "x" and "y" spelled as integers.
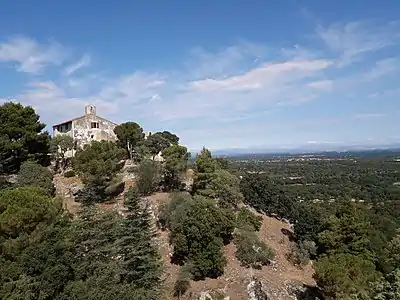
{"x": 255, "y": 290}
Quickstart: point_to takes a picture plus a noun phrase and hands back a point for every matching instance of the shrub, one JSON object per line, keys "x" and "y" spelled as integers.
{"x": 69, "y": 173}
{"x": 147, "y": 177}
{"x": 248, "y": 221}
{"x": 33, "y": 174}
{"x": 90, "y": 194}
{"x": 182, "y": 283}
{"x": 300, "y": 254}
{"x": 114, "y": 189}
{"x": 251, "y": 252}
{"x": 167, "y": 209}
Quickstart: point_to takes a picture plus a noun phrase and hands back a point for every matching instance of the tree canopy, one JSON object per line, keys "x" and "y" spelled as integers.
{"x": 21, "y": 137}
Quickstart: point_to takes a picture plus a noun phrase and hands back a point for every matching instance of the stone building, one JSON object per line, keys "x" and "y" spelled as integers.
{"x": 87, "y": 128}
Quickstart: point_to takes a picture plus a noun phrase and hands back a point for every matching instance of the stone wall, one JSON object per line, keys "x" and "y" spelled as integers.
{"x": 83, "y": 132}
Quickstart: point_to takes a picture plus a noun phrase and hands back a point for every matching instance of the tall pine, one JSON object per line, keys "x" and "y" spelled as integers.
{"x": 139, "y": 257}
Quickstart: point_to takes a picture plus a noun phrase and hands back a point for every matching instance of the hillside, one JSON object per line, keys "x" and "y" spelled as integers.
{"x": 280, "y": 280}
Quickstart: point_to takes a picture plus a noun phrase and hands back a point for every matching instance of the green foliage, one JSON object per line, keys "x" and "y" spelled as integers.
{"x": 345, "y": 276}
{"x": 33, "y": 174}
{"x": 226, "y": 187}
{"x": 69, "y": 173}
{"x": 248, "y": 221}
{"x": 261, "y": 193}
{"x": 251, "y": 252}
{"x": 21, "y": 137}
{"x": 167, "y": 210}
{"x": 23, "y": 209}
{"x": 197, "y": 231}
{"x": 156, "y": 143}
{"x": 91, "y": 194}
{"x": 98, "y": 162}
{"x": 175, "y": 164}
{"x": 388, "y": 289}
{"x": 172, "y": 138}
{"x": 130, "y": 135}
{"x": 222, "y": 163}
{"x": 204, "y": 171}
{"x": 346, "y": 231}
{"x": 140, "y": 258}
{"x": 147, "y": 177}
{"x": 99, "y": 255}
{"x": 115, "y": 188}
{"x": 59, "y": 145}
{"x": 182, "y": 283}
{"x": 300, "y": 253}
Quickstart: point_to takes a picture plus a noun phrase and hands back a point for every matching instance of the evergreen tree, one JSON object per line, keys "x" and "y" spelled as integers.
{"x": 139, "y": 256}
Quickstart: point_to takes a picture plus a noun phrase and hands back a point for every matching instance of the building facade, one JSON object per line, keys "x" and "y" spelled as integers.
{"x": 87, "y": 128}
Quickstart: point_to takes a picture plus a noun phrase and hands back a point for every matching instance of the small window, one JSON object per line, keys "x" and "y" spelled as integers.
{"x": 95, "y": 125}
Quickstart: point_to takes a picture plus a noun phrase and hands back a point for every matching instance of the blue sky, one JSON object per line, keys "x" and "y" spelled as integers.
{"x": 223, "y": 74}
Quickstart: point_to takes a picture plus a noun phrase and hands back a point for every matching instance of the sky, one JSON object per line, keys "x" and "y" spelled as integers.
{"x": 220, "y": 74}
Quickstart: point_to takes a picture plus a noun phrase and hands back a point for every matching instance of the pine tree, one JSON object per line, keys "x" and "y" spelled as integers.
{"x": 140, "y": 259}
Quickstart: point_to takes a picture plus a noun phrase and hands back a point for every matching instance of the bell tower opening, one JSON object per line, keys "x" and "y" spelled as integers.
{"x": 90, "y": 110}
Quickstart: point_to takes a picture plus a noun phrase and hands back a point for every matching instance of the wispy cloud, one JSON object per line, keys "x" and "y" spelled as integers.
{"x": 82, "y": 63}
{"x": 369, "y": 115}
{"x": 353, "y": 40}
{"x": 213, "y": 92}
{"x": 30, "y": 56}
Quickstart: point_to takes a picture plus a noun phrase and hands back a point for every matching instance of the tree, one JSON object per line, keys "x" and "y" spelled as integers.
{"x": 346, "y": 231}
{"x": 147, "y": 177}
{"x": 248, "y": 221}
{"x": 204, "y": 172}
{"x": 226, "y": 187}
{"x": 175, "y": 163}
{"x": 140, "y": 258}
{"x": 21, "y": 137}
{"x": 59, "y": 145}
{"x": 23, "y": 209}
{"x": 251, "y": 252}
{"x": 98, "y": 162}
{"x": 33, "y": 174}
{"x": 156, "y": 143}
{"x": 130, "y": 135}
{"x": 172, "y": 138}
{"x": 197, "y": 232}
{"x": 345, "y": 276}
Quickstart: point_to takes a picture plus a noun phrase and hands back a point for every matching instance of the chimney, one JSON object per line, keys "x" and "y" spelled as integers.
{"x": 90, "y": 110}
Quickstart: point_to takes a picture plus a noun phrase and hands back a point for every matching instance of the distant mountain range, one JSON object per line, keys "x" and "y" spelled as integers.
{"x": 306, "y": 149}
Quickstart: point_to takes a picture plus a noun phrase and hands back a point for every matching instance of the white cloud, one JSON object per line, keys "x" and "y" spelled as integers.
{"x": 355, "y": 39}
{"x": 369, "y": 115}
{"x": 321, "y": 85}
{"x": 29, "y": 55}
{"x": 268, "y": 74}
{"x": 213, "y": 96}
{"x": 82, "y": 63}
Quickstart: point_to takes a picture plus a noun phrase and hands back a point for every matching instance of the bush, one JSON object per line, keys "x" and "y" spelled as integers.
{"x": 182, "y": 283}
{"x": 33, "y": 174}
{"x": 148, "y": 178}
{"x": 90, "y": 194}
{"x": 251, "y": 252}
{"x": 167, "y": 209}
{"x": 114, "y": 189}
{"x": 248, "y": 221}
{"x": 69, "y": 173}
{"x": 300, "y": 254}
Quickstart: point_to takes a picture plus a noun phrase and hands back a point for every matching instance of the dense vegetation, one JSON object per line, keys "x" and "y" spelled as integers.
{"x": 354, "y": 243}
{"x": 345, "y": 213}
